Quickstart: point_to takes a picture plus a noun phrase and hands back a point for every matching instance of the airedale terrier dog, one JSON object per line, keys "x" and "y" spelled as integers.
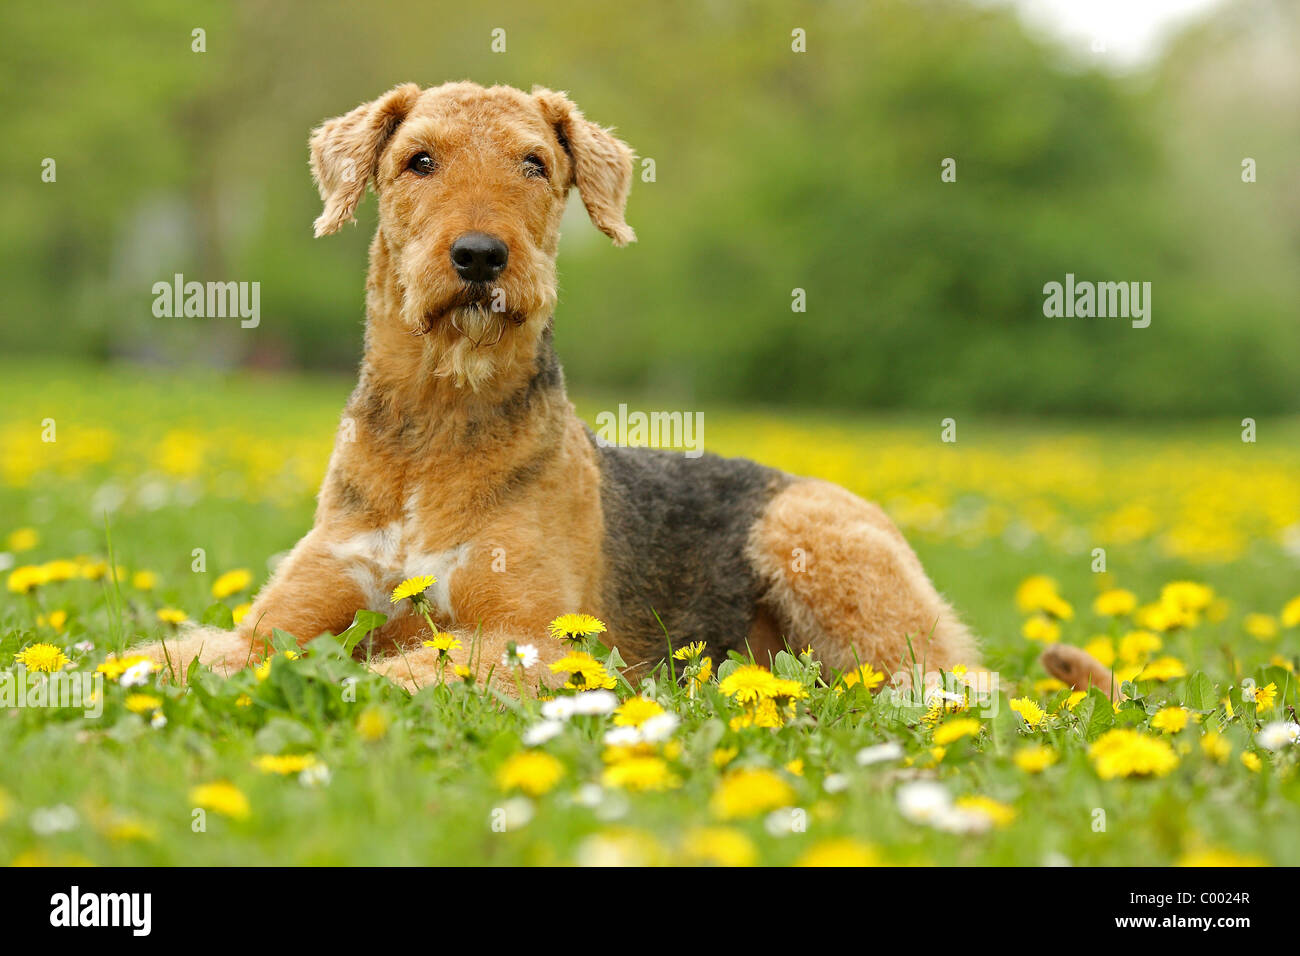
{"x": 461, "y": 456}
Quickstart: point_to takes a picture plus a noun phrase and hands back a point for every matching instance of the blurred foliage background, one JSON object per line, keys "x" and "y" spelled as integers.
{"x": 774, "y": 170}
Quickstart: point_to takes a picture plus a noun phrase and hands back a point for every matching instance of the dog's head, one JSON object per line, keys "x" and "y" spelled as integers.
{"x": 472, "y": 183}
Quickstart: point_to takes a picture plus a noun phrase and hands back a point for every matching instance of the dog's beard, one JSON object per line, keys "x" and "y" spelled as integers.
{"x": 463, "y": 335}
{"x": 468, "y": 357}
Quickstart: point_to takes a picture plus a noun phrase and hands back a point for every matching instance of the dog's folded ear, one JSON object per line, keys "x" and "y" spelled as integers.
{"x": 345, "y": 152}
{"x": 602, "y": 164}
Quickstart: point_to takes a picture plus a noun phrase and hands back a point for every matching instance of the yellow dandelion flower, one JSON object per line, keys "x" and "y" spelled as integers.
{"x": 413, "y": 588}
{"x": 570, "y": 627}
{"x": 1030, "y": 712}
{"x": 130, "y": 830}
{"x": 745, "y": 793}
{"x": 635, "y": 711}
{"x": 1041, "y": 628}
{"x": 243, "y": 700}
{"x": 1251, "y": 761}
{"x": 94, "y": 570}
{"x": 724, "y": 755}
{"x": 795, "y": 767}
{"x": 1265, "y": 697}
{"x": 1048, "y": 686}
{"x": 373, "y": 723}
{"x": 1136, "y": 646}
{"x": 842, "y": 852}
{"x": 114, "y": 666}
{"x": 232, "y": 582}
{"x": 42, "y": 657}
{"x": 1102, "y": 648}
{"x": 749, "y": 683}
{"x": 533, "y": 771}
{"x": 719, "y": 846}
{"x": 1291, "y": 612}
{"x": 1170, "y": 720}
{"x": 702, "y": 675}
{"x": 585, "y": 672}
{"x": 443, "y": 643}
{"x": 144, "y": 580}
{"x": 997, "y": 813}
{"x": 864, "y": 675}
{"x": 27, "y": 579}
{"x": 1036, "y": 593}
{"x": 1117, "y": 602}
{"x": 464, "y": 673}
{"x": 61, "y": 570}
{"x": 171, "y": 615}
{"x": 284, "y": 764}
{"x": 1219, "y": 859}
{"x": 689, "y": 652}
{"x": 1262, "y": 627}
{"x": 1035, "y": 758}
{"x": 640, "y": 773}
{"x": 764, "y": 713}
{"x": 24, "y": 539}
{"x": 1072, "y": 701}
{"x": 221, "y": 797}
{"x": 954, "y": 730}
{"x": 56, "y": 620}
{"x": 262, "y": 670}
{"x": 1187, "y": 596}
{"x": 142, "y": 703}
{"x": 1127, "y": 753}
{"x": 1163, "y": 669}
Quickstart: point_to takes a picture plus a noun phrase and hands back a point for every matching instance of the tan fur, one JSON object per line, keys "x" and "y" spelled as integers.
{"x": 1079, "y": 669}
{"x": 843, "y": 577}
{"x": 425, "y": 477}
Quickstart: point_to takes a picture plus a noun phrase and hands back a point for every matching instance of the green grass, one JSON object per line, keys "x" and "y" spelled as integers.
{"x": 229, "y": 466}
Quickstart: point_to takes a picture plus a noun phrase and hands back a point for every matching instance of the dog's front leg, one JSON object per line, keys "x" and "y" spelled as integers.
{"x": 483, "y": 651}
{"x": 310, "y": 593}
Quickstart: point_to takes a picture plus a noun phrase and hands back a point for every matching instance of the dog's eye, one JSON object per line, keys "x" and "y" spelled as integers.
{"x": 422, "y": 164}
{"x": 533, "y": 166}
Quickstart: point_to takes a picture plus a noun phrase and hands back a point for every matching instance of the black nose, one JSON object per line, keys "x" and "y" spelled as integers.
{"x": 479, "y": 257}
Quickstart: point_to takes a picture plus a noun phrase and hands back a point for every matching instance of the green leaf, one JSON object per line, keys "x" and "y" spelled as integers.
{"x": 281, "y": 735}
{"x": 218, "y": 615}
{"x": 785, "y": 665}
{"x": 1199, "y": 694}
{"x": 362, "y": 624}
{"x": 1101, "y": 716}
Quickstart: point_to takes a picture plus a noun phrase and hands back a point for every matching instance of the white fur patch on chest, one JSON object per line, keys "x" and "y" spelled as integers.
{"x": 380, "y": 559}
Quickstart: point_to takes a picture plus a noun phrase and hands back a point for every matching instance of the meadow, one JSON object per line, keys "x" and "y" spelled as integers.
{"x": 311, "y": 759}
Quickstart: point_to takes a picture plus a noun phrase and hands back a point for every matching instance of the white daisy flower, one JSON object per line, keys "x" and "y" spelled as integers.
{"x": 879, "y": 753}
{"x": 922, "y": 801}
{"x": 595, "y": 702}
{"x": 836, "y": 782}
{"x": 138, "y": 674}
{"x": 316, "y": 775}
{"x": 158, "y": 721}
{"x": 657, "y": 729}
{"x": 558, "y": 708}
{"x": 541, "y": 732}
{"x": 46, "y": 821}
{"x": 1278, "y": 734}
{"x": 623, "y": 737}
{"x": 525, "y": 655}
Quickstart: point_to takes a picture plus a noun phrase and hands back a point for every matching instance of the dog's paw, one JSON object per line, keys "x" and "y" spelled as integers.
{"x": 223, "y": 651}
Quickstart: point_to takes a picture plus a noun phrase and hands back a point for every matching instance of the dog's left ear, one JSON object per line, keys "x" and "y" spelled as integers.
{"x": 345, "y": 152}
{"x": 602, "y": 164}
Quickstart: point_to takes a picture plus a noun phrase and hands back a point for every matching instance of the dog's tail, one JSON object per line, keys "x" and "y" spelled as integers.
{"x": 1079, "y": 669}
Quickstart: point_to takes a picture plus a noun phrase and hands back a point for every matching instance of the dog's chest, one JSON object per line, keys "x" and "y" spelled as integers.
{"x": 381, "y": 558}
